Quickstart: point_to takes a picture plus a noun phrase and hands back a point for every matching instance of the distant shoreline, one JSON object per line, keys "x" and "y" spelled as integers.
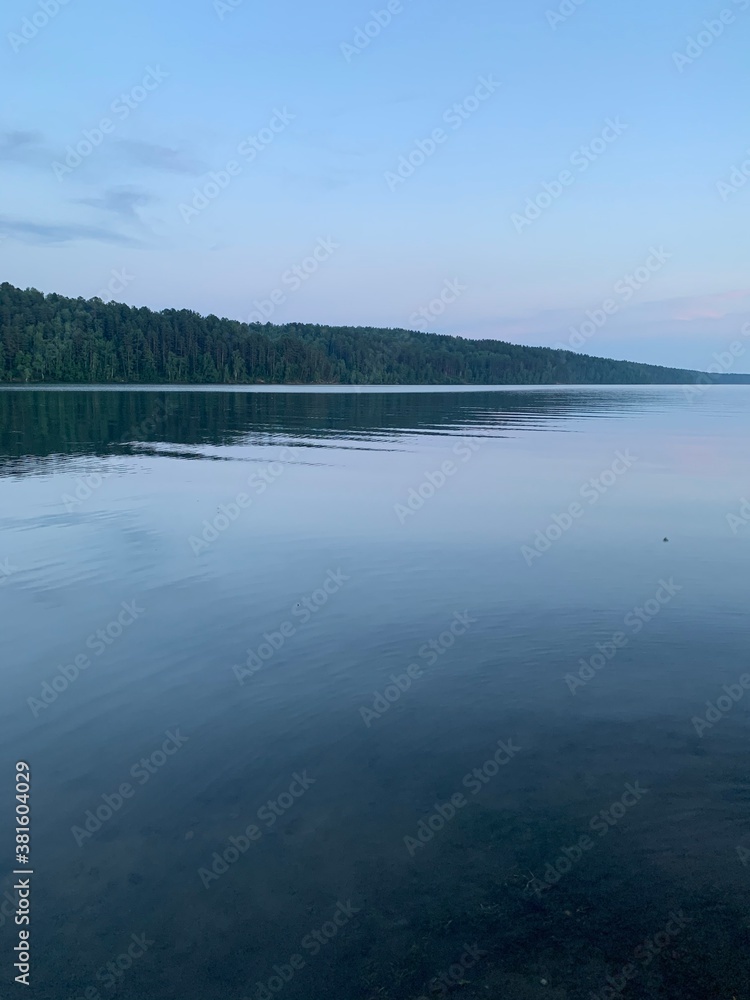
{"x": 52, "y": 340}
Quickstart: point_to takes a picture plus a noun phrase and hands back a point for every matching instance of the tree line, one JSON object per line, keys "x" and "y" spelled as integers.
{"x": 53, "y": 339}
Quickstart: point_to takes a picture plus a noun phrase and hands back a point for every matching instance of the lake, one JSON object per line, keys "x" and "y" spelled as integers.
{"x": 378, "y": 695}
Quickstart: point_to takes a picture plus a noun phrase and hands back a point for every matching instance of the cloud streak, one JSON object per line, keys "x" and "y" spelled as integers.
{"x": 156, "y": 157}
{"x": 50, "y": 234}
{"x": 122, "y": 201}
{"x": 25, "y": 147}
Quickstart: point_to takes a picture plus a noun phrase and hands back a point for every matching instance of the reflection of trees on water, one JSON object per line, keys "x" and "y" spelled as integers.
{"x": 39, "y": 424}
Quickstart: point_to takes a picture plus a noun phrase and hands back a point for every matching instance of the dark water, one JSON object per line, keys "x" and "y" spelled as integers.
{"x": 275, "y": 580}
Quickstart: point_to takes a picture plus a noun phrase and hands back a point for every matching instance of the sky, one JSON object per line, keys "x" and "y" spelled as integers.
{"x": 549, "y": 173}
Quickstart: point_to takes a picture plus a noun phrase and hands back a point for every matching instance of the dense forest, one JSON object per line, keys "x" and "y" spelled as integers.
{"x": 53, "y": 339}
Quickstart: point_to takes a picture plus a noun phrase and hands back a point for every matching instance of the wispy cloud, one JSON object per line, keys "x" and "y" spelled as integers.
{"x": 715, "y": 317}
{"x": 31, "y": 148}
{"x": 156, "y": 157}
{"x": 50, "y": 234}
{"x": 329, "y": 142}
{"x": 25, "y": 147}
{"x": 332, "y": 179}
{"x": 708, "y": 306}
{"x": 122, "y": 201}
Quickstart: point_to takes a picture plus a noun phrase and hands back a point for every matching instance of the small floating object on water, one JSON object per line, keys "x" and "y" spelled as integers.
{"x": 666, "y": 539}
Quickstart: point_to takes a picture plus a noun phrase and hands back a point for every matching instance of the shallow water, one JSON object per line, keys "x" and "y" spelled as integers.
{"x": 284, "y": 555}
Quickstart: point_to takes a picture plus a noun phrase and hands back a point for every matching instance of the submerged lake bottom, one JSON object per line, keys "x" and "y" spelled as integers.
{"x": 378, "y": 694}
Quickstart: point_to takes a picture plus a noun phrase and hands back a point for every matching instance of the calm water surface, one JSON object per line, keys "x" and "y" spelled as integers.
{"x": 260, "y": 649}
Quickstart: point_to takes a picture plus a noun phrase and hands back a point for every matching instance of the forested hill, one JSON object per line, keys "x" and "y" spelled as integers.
{"x": 50, "y": 338}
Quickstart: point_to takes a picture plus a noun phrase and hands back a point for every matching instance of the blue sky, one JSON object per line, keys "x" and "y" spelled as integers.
{"x": 220, "y": 143}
